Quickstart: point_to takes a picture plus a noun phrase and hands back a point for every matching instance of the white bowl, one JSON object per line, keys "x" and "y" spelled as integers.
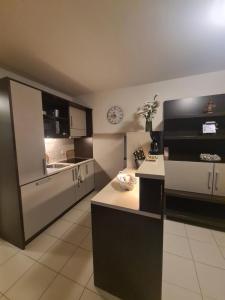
{"x": 127, "y": 181}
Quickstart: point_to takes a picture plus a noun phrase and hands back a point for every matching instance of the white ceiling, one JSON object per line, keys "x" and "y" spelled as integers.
{"x": 80, "y": 46}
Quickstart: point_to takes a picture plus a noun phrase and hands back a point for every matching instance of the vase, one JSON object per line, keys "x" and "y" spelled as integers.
{"x": 148, "y": 126}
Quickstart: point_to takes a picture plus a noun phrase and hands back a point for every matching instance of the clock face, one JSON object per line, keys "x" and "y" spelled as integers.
{"x": 115, "y": 115}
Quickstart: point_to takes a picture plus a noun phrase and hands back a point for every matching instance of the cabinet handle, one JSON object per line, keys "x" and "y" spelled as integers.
{"x": 86, "y": 169}
{"x": 76, "y": 174}
{"x": 71, "y": 121}
{"x": 73, "y": 175}
{"x": 44, "y": 165}
{"x": 209, "y": 179}
{"x": 216, "y": 181}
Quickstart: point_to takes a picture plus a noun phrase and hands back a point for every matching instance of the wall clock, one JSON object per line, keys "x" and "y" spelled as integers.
{"x": 115, "y": 115}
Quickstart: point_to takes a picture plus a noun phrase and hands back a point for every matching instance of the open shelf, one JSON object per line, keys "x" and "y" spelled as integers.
{"x": 195, "y": 137}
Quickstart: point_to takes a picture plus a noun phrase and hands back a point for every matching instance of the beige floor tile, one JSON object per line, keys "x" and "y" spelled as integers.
{"x": 172, "y": 292}
{"x": 85, "y": 220}
{"x": 79, "y": 267}
{"x": 39, "y": 246}
{"x": 174, "y": 227}
{"x": 219, "y": 237}
{"x": 6, "y": 252}
{"x": 13, "y": 269}
{"x": 32, "y": 284}
{"x": 99, "y": 291}
{"x": 87, "y": 242}
{"x": 212, "y": 281}
{"x": 176, "y": 245}
{"x": 89, "y": 295}
{"x": 3, "y": 298}
{"x": 73, "y": 215}
{"x": 180, "y": 271}
{"x": 57, "y": 255}
{"x": 207, "y": 253}
{"x": 75, "y": 234}
{"x": 199, "y": 234}
{"x": 83, "y": 205}
{"x": 58, "y": 228}
{"x": 63, "y": 289}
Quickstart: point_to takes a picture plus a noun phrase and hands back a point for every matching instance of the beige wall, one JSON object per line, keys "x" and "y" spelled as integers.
{"x": 132, "y": 97}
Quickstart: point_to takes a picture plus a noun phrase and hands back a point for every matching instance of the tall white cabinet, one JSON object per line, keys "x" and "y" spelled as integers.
{"x": 29, "y": 132}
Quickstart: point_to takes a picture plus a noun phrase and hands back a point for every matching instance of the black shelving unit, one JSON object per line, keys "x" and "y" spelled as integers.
{"x": 183, "y": 120}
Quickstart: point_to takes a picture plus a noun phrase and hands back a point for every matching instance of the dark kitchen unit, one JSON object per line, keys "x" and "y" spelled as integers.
{"x": 195, "y": 190}
{"x": 127, "y": 233}
{"x": 33, "y": 194}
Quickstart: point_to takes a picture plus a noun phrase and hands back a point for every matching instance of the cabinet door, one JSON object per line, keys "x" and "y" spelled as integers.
{"x": 89, "y": 178}
{"x": 219, "y": 180}
{"x": 45, "y": 200}
{"x": 196, "y": 177}
{"x": 77, "y": 122}
{"x": 80, "y": 181}
{"x": 29, "y": 132}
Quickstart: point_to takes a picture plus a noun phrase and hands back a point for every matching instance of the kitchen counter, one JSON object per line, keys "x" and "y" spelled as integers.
{"x": 51, "y": 171}
{"x": 152, "y": 169}
{"x": 127, "y": 234}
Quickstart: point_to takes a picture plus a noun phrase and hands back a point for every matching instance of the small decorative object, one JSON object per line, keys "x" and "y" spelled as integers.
{"x": 127, "y": 181}
{"x": 210, "y": 157}
{"x": 139, "y": 157}
{"x": 148, "y": 110}
{"x": 115, "y": 115}
{"x": 209, "y": 127}
{"x": 210, "y": 107}
{"x": 151, "y": 157}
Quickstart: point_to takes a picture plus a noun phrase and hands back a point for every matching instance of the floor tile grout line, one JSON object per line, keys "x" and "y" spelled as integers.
{"x": 181, "y": 287}
{"x": 14, "y": 283}
{"x": 218, "y": 246}
{"x": 195, "y": 267}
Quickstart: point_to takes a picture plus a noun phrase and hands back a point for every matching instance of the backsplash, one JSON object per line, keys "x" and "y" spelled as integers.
{"x": 56, "y": 148}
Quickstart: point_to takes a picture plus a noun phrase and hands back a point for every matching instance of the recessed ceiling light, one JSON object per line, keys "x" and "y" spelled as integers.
{"x": 217, "y": 12}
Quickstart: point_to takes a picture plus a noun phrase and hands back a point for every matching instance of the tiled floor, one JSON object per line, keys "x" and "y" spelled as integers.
{"x": 57, "y": 265}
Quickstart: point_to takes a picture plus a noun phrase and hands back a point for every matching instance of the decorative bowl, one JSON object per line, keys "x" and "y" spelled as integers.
{"x": 126, "y": 181}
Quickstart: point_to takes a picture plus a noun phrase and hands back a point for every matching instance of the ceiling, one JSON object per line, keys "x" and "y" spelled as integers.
{"x": 81, "y": 46}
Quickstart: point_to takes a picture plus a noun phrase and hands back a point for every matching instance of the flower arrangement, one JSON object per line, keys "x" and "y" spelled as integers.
{"x": 148, "y": 110}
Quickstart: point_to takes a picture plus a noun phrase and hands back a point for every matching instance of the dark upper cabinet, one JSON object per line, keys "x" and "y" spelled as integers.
{"x": 55, "y": 116}
{"x": 213, "y": 105}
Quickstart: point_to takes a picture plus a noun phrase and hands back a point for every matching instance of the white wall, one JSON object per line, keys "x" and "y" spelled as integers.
{"x": 132, "y": 97}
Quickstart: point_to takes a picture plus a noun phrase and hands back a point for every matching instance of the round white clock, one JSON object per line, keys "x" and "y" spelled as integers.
{"x": 115, "y": 115}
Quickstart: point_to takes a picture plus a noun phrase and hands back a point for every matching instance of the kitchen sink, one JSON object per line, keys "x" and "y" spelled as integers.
{"x": 58, "y": 165}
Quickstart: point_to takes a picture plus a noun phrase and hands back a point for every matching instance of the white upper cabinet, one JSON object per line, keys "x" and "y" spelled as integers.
{"x": 29, "y": 132}
{"x": 77, "y": 122}
{"x": 196, "y": 177}
{"x": 219, "y": 180}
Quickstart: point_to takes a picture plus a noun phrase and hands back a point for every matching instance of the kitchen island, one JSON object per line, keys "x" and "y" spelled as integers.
{"x": 128, "y": 239}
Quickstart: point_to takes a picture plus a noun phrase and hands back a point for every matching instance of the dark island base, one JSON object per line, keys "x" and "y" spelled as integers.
{"x": 127, "y": 253}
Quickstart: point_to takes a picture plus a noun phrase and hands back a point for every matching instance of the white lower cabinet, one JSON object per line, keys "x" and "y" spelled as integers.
{"x": 80, "y": 181}
{"x": 196, "y": 177}
{"x": 84, "y": 178}
{"x": 89, "y": 177}
{"x": 219, "y": 180}
{"x": 46, "y": 199}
